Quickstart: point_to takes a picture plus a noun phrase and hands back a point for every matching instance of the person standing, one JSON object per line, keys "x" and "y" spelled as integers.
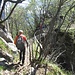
{"x": 20, "y": 41}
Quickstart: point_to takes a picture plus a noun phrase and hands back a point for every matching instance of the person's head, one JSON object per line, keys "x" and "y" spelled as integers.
{"x": 20, "y": 31}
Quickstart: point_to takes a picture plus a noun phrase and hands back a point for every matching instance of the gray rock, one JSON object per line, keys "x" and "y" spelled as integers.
{"x": 13, "y": 47}
{"x": 6, "y": 36}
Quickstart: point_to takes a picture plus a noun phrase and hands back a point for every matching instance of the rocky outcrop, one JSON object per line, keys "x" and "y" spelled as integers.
{"x": 10, "y": 45}
{"x": 5, "y": 55}
{"x": 13, "y": 47}
{"x": 6, "y": 36}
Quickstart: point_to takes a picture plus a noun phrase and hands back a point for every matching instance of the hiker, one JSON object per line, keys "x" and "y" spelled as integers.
{"x": 20, "y": 41}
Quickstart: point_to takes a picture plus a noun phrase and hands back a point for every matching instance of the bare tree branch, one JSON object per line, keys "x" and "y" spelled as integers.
{"x": 67, "y": 13}
{"x": 59, "y": 55}
{"x": 9, "y": 13}
{"x": 18, "y": 1}
{"x": 2, "y": 9}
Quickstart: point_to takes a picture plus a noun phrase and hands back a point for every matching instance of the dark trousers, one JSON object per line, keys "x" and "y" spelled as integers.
{"x": 22, "y": 55}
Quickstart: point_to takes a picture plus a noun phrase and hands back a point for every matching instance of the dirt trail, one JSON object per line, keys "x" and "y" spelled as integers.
{"x": 27, "y": 57}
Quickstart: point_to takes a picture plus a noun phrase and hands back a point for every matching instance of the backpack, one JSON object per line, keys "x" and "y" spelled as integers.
{"x": 20, "y": 43}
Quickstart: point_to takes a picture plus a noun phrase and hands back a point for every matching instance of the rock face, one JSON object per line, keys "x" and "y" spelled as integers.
{"x": 6, "y": 36}
{"x": 5, "y": 55}
{"x": 10, "y": 45}
{"x": 13, "y": 47}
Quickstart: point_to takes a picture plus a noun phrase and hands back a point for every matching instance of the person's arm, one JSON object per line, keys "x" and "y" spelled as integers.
{"x": 27, "y": 43}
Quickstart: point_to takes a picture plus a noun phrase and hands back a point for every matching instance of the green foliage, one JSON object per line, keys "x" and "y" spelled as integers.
{"x": 24, "y": 18}
{"x": 54, "y": 69}
{"x": 36, "y": 50}
{"x": 19, "y": 20}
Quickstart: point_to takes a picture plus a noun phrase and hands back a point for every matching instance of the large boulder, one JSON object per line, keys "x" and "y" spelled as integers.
{"x": 6, "y": 36}
{"x": 12, "y": 46}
